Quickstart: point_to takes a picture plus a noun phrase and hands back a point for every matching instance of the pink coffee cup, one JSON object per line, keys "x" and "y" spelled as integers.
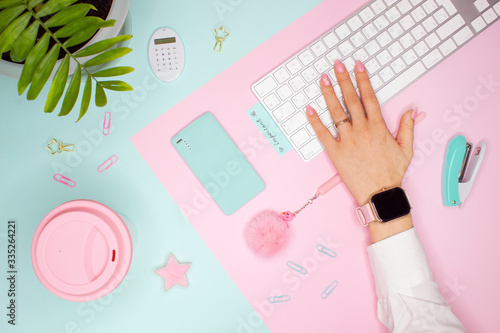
{"x": 81, "y": 250}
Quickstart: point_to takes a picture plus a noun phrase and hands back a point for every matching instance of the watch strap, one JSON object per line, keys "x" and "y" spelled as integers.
{"x": 365, "y": 214}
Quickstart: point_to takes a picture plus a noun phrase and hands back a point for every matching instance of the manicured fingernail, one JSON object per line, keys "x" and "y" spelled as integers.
{"x": 359, "y": 66}
{"x": 326, "y": 80}
{"x": 421, "y": 116}
{"x": 414, "y": 113}
{"x": 339, "y": 67}
{"x": 310, "y": 110}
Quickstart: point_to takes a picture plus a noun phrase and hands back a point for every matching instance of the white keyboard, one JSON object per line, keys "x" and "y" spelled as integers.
{"x": 398, "y": 41}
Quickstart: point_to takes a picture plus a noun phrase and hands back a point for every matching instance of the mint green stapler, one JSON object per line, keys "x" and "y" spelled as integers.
{"x": 461, "y": 165}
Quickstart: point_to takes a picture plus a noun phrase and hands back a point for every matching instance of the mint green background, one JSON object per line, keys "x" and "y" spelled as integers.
{"x": 212, "y": 303}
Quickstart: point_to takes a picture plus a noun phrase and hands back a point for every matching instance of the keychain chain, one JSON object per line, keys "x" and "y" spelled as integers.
{"x": 309, "y": 202}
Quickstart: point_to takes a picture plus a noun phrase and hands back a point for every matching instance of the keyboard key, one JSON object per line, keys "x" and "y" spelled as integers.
{"x": 312, "y": 91}
{"x": 386, "y": 74}
{"x": 310, "y": 130}
{"x": 326, "y": 118}
{"x": 360, "y": 55}
{"x": 283, "y": 111}
{"x": 418, "y": 14}
{"x": 321, "y": 102}
{"x": 407, "y": 40}
{"x": 333, "y": 55}
{"x": 369, "y": 31}
{"x": 496, "y": 7}
{"x": 318, "y": 49}
{"x": 432, "y": 40}
{"x": 418, "y": 32}
{"x": 306, "y": 57}
{"x": 415, "y": 2}
{"x": 321, "y": 65}
{"x": 409, "y": 57}
{"x": 281, "y": 75}
{"x": 337, "y": 90}
{"x": 447, "y": 47}
{"x": 343, "y": 31}
{"x": 432, "y": 58}
{"x": 489, "y": 15}
{"x": 311, "y": 149}
{"x": 372, "y": 66}
{"x": 448, "y": 5}
{"x": 376, "y": 82}
{"x": 462, "y": 36}
{"x": 381, "y": 22}
{"x": 421, "y": 49}
{"x": 301, "y": 137}
{"x": 346, "y": 48}
{"x": 395, "y": 49}
{"x": 366, "y": 14}
{"x": 299, "y": 100}
{"x": 407, "y": 22}
{"x": 309, "y": 74}
{"x": 389, "y": 3}
{"x": 441, "y": 16}
{"x": 358, "y": 39}
{"x": 297, "y": 83}
{"x": 481, "y": 5}
{"x": 400, "y": 82}
{"x": 478, "y": 24}
{"x": 378, "y": 6}
{"x": 349, "y": 64}
{"x": 429, "y": 6}
{"x": 372, "y": 47}
{"x": 396, "y": 30}
{"x": 334, "y": 132}
{"x": 393, "y": 14}
{"x": 384, "y": 57}
{"x": 330, "y": 40}
{"x": 271, "y": 101}
{"x": 398, "y": 65}
{"x": 354, "y": 23}
{"x": 294, "y": 122}
{"x": 429, "y": 24}
{"x": 284, "y": 92}
{"x": 266, "y": 86}
{"x": 404, "y": 6}
{"x": 450, "y": 27}
{"x": 294, "y": 66}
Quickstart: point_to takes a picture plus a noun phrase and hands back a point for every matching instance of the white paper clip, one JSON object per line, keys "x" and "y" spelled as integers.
{"x": 64, "y": 180}
{"x": 109, "y": 162}
{"x": 278, "y": 299}
{"x": 329, "y": 289}
{"x": 323, "y": 249}
{"x": 296, "y": 267}
{"x": 107, "y": 123}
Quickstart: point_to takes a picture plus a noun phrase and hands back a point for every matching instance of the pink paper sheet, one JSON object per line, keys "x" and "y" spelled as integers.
{"x": 461, "y": 244}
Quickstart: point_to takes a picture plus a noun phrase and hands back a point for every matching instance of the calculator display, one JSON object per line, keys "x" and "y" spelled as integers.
{"x": 165, "y": 40}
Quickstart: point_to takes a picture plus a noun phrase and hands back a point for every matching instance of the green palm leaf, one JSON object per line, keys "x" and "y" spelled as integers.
{"x": 8, "y": 15}
{"x": 100, "y": 95}
{"x": 87, "y": 93}
{"x": 87, "y": 32}
{"x": 101, "y": 46}
{"x": 116, "y": 85}
{"x": 69, "y": 14}
{"x": 9, "y": 3}
{"x": 34, "y": 57}
{"x": 115, "y": 71}
{"x": 23, "y": 45}
{"x": 42, "y": 72}
{"x": 33, "y": 3}
{"x": 13, "y": 31}
{"x": 58, "y": 84}
{"x": 72, "y": 92}
{"x": 53, "y": 6}
{"x": 107, "y": 56}
{"x": 72, "y": 28}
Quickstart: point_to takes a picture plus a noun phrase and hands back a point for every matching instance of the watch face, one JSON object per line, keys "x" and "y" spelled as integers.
{"x": 391, "y": 204}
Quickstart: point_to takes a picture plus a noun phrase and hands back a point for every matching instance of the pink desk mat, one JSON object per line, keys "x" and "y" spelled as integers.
{"x": 460, "y": 96}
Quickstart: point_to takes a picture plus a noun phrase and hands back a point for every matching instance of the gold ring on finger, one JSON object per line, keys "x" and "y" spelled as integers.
{"x": 343, "y": 121}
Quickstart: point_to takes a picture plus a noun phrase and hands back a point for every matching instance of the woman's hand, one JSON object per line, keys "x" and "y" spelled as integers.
{"x": 365, "y": 154}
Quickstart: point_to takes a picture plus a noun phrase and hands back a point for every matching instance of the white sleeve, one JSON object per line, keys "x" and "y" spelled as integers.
{"x": 408, "y": 298}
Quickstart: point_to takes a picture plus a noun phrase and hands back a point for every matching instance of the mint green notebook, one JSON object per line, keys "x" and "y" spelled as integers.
{"x": 218, "y": 163}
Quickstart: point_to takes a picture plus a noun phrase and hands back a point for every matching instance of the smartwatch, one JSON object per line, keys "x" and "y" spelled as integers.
{"x": 384, "y": 206}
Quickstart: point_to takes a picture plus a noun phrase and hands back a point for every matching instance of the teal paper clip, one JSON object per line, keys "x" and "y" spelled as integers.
{"x": 323, "y": 249}
{"x": 296, "y": 267}
{"x": 329, "y": 289}
{"x": 278, "y": 299}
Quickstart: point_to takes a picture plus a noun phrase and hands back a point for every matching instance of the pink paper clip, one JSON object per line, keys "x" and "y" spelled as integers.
{"x": 64, "y": 180}
{"x": 109, "y": 162}
{"x": 107, "y": 123}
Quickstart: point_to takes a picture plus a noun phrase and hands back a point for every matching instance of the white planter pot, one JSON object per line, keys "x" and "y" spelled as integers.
{"x": 118, "y": 12}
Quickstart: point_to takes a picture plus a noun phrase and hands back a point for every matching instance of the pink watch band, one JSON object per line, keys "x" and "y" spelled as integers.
{"x": 365, "y": 214}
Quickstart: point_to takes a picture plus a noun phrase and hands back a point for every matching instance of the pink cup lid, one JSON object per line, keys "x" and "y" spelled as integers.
{"x": 81, "y": 250}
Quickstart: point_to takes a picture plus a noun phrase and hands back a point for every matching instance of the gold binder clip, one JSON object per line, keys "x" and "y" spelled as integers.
{"x": 55, "y": 147}
{"x": 220, "y": 38}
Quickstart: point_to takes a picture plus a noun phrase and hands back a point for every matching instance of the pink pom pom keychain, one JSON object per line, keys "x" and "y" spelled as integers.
{"x": 267, "y": 232}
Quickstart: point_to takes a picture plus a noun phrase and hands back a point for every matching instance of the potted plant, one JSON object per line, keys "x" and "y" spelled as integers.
{"x": 51, "y": 39}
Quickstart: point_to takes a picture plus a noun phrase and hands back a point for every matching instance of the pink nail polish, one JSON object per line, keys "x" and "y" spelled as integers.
{"x": 326, "y": 80}
{"x": 339, "y": 67}
{"x": 309, "y": 110}
{"x": 359, "y": 66}
{"x": 414, "y": 113}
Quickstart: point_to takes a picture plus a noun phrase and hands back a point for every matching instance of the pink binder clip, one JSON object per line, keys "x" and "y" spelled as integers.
{"x": 109, "y": 162}
{"x": 64, "y": 180}
{"x": 107, "y": 123}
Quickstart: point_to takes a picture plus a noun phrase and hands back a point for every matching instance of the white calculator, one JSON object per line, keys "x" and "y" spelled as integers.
{"x": 166, "y": 54}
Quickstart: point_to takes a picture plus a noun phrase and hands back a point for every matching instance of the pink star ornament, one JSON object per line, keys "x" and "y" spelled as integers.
{"x": 174, "y": 273}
